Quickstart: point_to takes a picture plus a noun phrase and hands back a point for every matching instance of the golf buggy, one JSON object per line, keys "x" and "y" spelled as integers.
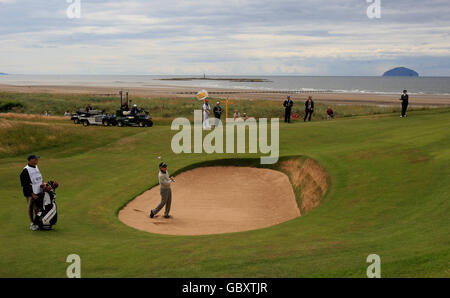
{"x": 96, "y": 118}
{"x": 110, "y": 119}
{"x": 125, "y": 117}
{"x": 76, "y": 116}
{"x": 81, "y": 115}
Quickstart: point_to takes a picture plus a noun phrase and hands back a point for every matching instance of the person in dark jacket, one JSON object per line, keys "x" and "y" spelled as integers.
{"x": 309, "y": 108}
{"x": 404, "y": 98}
{"x": 287, "y": 104}
{"x": 125, "y": 107}
{"x": 217, "y": 113}
{"x": 31, "y": 181}
{"x": 134, "y": 110}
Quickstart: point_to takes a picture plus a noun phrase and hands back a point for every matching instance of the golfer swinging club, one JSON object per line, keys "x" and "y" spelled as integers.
{"x": 166, "y": 192}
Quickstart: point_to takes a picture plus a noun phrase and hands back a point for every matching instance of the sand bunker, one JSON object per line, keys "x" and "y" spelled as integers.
{"x": 214, "y": 200}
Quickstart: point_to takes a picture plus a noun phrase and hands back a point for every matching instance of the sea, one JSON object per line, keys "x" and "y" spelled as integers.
{"x": 336, "y": 84}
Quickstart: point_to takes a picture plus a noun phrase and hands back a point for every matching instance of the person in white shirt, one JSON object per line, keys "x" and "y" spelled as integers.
{"x": 206, "y": 112}
{"x": 31, "y": 181}
{"x": 165, "y": 191}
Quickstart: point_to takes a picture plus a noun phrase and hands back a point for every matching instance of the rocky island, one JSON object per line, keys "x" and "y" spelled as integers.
{"x": 400, "y": 72}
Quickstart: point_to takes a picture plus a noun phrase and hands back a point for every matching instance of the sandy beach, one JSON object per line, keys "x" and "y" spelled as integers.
{"x": 235, "y": 94}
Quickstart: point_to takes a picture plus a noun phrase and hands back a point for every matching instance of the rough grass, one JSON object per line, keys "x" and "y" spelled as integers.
{"x": 171, "y": 108}
{"x": 24, "y": 134}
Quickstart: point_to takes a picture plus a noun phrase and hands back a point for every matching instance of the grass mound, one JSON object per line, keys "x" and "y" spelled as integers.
{"x": 22, "y": 134}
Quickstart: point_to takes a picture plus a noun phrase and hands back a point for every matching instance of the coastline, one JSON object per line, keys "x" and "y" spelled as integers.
{"x": 161, "y": 91}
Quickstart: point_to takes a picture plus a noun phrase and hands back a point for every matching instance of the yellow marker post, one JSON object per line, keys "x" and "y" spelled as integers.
{"x": 226, "y": 102}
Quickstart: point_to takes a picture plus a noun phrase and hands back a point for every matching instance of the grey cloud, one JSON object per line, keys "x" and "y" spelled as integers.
{"x": 210, "y": 32}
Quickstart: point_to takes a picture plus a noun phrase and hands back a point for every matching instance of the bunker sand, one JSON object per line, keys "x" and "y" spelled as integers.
{"x": 215, "y": 200}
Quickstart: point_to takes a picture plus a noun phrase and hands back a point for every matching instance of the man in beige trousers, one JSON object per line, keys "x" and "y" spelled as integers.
{"x": 165, "y": 191}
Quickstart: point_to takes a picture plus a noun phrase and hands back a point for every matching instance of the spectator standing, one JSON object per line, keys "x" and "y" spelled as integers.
{"x": 405, "y": 100}
{"x": 309, "y": 108}
{"x": 217, "y": 114}
{"x": 288, "y": 103}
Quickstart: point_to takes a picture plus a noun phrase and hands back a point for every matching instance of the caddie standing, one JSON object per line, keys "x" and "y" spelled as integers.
{"x": 165, "y": 191}
{"x": 206, "y": 112}
{"x": 31, "y": 181}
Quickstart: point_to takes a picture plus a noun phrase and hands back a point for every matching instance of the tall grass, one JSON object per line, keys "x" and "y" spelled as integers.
{"x": 159, "y": 107}
{"x": 63, "y": 139}
{"x": 7, "y": 106}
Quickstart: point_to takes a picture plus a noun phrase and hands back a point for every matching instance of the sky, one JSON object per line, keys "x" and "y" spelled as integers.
{"x": 226, "y": 37}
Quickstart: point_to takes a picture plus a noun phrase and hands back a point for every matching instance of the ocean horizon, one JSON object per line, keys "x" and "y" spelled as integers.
{"x": 335, "y": 84}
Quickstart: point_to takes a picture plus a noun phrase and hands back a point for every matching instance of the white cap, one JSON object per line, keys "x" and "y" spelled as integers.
{"x": 218, "y": 102}
{"x": 134, "y": 105}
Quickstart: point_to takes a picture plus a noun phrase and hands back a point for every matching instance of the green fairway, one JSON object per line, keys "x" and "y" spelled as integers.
{"x": 388, "y": 195}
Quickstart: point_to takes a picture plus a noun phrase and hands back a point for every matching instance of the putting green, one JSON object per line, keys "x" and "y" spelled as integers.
{"x": 387, "y": 194}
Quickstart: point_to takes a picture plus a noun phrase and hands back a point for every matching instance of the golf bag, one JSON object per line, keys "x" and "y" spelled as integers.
{"x": 47, "y": 214}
